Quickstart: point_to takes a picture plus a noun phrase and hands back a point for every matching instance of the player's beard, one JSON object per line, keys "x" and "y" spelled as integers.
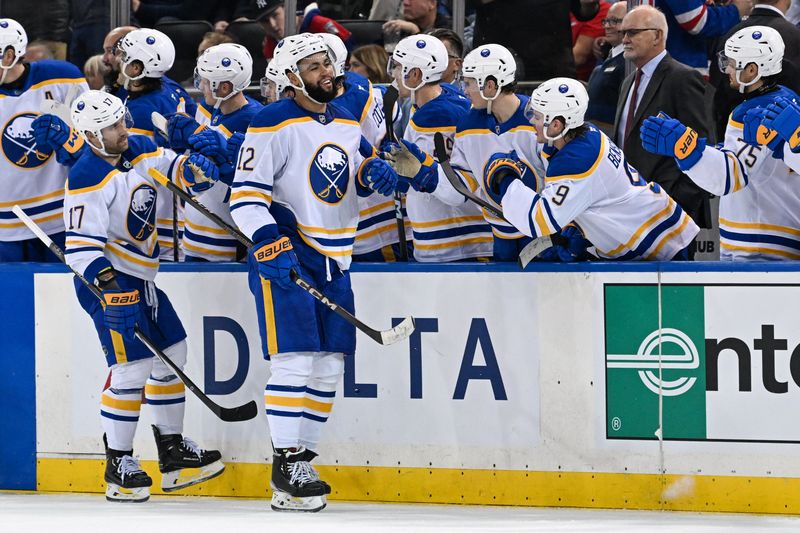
{"x": 320, "y": 95}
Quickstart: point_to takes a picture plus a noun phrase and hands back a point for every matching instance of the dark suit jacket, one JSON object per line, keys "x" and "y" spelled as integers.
{"x": 604, "y": 84}
{"x": 725, "y": 98}
{"x": 679, "y": 92}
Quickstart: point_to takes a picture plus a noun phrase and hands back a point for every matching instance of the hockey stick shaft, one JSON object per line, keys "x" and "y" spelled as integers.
{"x": 244, "y": 412}
{"x": 399, "y": 332}
{"x": 389, "y": 101}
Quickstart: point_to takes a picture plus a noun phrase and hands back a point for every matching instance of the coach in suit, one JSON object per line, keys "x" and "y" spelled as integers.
{"x": 659, "y": 84}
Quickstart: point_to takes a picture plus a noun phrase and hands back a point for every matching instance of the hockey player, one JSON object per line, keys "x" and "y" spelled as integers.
{"x": 758, "y": 218}
{"x": 110, "y": 214}
{"x": 294, "y": 194}
{"x": 222, "y": 73}
{"x": 496, "y": 123}
{"x": 377, "y": 237}
{"x": 588, "y": 184}
{"x": 29, "y": 173}
{"x": 442, "y": 232}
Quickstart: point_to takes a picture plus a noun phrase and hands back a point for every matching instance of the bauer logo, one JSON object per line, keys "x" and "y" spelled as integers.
{"x": 19, "y": 144}
{"x": 328, "y": 173}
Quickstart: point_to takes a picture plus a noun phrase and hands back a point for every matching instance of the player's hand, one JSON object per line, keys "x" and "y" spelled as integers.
{"x": 121, "y": 311}
{"x": 180, "y": 127}
{"x": 232, "y": 148}
{"x": 426, "y": 177}
{"x": 570, "y": 245}
{"x": 50, "y": 132}
{"x": 209, "y": 143}
{"x": 377, "y": 175}
{"x": 783, "y": 116}
{"x": 755, "y": 133}
{"x": 501, "y": 170}
{"x": 199, "y": 173}
{"x": 274, "y": 259}
{"x": 667, "y": 136}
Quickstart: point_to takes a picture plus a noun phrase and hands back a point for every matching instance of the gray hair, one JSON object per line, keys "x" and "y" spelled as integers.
{"x": 655, "y": 18}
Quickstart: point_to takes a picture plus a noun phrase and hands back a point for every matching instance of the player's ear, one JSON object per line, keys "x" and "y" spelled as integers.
{"x": 9, "y": 55}
{"x": 294, "y": 78}
{"x": 225, "y": 88}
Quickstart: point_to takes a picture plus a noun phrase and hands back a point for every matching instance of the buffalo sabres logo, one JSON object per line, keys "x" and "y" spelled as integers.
{"x": 19, "y": 144}
{"x": 328, "y": 173}
{"x": 142, "y": 212}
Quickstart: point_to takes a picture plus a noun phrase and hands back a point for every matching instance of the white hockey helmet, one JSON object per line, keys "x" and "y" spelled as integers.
{"x": 294, "y": 48}
{"x": 559, "y": 97}
{"x": 12, "y": 34}
{"x": 152, "y": 47}
{"x": 337, "y": 50}
{"x": 93, "y": 111}
{"x": 761, "y": 45}
{"x": 425, "y": 52}
{"x": 490, "y": 60}
{"x": 274, "y": 80}
{"x": 224, "y": 62}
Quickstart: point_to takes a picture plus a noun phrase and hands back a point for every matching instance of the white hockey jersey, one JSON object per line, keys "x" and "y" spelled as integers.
{"x": 759, "y": 205}
{"x": 110, "y": 212}
{"x": 298, "y": 169}
{"x": 443, "y": 232}
{"x": 30, "y": 176}
{"x": 478, "y": 136}
{"x": 589, "y": 183}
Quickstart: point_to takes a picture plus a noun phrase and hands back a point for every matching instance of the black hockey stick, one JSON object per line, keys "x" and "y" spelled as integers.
{"x": 389, "y": 100}
{"x": 389, "y": 336}
{"x": 227, "y": 414}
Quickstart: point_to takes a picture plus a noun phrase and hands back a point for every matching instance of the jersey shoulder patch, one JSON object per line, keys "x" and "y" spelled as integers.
{"x": 441, "y": 112}
{"x": 53, "y": 69}
{"x": 578, "y": 157}
{"x": 88, "y": 172}
{"x": 138, "y": 145}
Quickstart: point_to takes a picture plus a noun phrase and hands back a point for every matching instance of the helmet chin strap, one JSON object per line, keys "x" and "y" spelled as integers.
{"x": 488, "y": 100}
{"x": 742, "y": 85}
{"x": 6, "y": 69}
{"x": 551, "y": 140}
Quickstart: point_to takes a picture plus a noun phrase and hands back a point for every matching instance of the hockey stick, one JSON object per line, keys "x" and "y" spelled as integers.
{"x": 234, "y": 414}
{"x": 389, "y": 336}
{"x": 389, "y": 100}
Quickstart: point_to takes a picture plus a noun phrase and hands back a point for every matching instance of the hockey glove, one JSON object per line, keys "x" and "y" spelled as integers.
{"x": 232, "y": 148}
{"x": 52, "y": 133}
{"x": 209, "y": 143}
{"x": 755, "y": 133}
{"x": 179, "y": 128}
{"x": 570, "y": 247}
{"x": 501, "y": 170}
{"x": 198, "y": 173}
{"x": 783, "y": 116}
{"x": 376, "y": 174}
{"x": 414, "y": 165}
{"x": 275, "y": 259}
{"x": 666, "y": 136}
{"x": 121, "y": 311}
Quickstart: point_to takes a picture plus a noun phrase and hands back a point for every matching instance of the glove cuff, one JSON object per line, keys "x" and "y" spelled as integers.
{"x": 272, "y": 249}
{"x": 118, "y": 297}
{"x": 689, "y": 149}
{"x": 74, "y": 142}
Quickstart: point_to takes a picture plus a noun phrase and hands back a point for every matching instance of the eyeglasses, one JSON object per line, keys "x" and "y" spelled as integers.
{"x": 612, "y": 21}
{"x": 633, "y": 32}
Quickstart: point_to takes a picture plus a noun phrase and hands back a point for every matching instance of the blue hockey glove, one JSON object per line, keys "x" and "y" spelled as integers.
{"x": 666, "y": 136}
{"x": 209, "y": 143}
{"x": 755, "y": 133}
{"x": 427, "y": 178}
{"x": 783, "y": 116}
{"x": 569, "y": 248}
{"x": 179, "y": 128}
{"x": 121, "y": 311}
{"x": 274, "y": 259}
{"x": 376, "y": 174}
{"x": 50, "y": 132}
{"x": 198, "y": 173}
{"x": 501, "y": 170}
{"x": 232, "y": 148}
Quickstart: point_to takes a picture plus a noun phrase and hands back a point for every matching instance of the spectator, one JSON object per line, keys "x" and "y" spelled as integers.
{"x": 40, "y": 23}
{"x": 370, "y": 61}
{"x": 95, "y": 72}
{"x": 419, "y": 16}
{"x": 455, "y": 53}
{"x": 89, "y": 23}
{"x": 386, "y": 9}
{"x": 607, "y": 76}
{"x": 659, "y": 84}
{"x": 38, "y": 50}
{"x": 584, "y": 34}
{"x": 213, "y": 38}
{"x": 765, "y": 13}
{"x": 271, "y": 15}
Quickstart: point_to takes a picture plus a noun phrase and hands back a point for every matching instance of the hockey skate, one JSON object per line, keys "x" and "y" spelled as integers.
{"x": 295, "y": 484}
{"x": 309, "y": 456}
{"x": 183, "y": 463}
{"x": 126, "y": 480}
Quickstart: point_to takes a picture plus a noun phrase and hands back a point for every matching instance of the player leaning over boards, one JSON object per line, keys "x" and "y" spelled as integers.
{"x": 588, "y": 184}
{"x": 294, "y": 194}
{"x": 29, "y": 173}
{"x": 110, "y": 215}
{"x": 758, "y": 215}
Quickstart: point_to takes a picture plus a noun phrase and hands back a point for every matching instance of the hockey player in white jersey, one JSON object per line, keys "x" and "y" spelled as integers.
{"x": 294, "y": 194}
{"x": 110, "y": 213}
{"x": 441, "y": 232}
{"x": 222, "y": 73}
{"x": 496, "y": 123}
{"x": 758, "y": 209}
{"x": 588, "y": 184}
{"x": 29, "y": 172}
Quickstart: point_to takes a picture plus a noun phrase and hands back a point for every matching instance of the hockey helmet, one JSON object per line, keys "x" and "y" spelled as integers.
{"x": 224, "y": 62}
{"x": 425, "y": 52}
{"x": 12, "y": 34}
{"x": 152, "y": 48}
{"x": 93, "y": 111}
{"x": 559, "y": 97}
{"x": 337, "y": 51}
{"x": 761, "y": 45}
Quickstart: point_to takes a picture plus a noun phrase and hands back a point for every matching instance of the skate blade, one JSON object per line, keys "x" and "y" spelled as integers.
{"x": 186, "y": 477}
{"x": 282, "y": 501}
{"x": 115, "y": 493}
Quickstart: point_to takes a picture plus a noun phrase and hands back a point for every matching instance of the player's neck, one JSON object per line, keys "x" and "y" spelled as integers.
{"x": 504, "y": 107}
{"x": 112, "y": 160}
{"x": 233, "y": 104}
{"x": 426, "y": 93}
{"x": 14, "y": 73}
{"x": 754, "y": 87}
{"x": 308, "y": 104}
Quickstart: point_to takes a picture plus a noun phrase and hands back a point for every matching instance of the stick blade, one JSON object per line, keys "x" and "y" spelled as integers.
{"x": 400, "y": 332}
{"x": 160, "y": 122}
{"x": 533, "y": 249}
{"x": 244, "y": 412}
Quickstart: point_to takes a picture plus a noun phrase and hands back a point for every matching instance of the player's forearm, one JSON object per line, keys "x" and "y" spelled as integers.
{"x": 718, "y": 172}
{"x": 254, "y": 220}
{"x": 446, "y": 192}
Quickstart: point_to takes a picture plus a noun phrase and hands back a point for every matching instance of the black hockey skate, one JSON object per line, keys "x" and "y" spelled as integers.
{"x": 309, "y": 456}
{"x": 295, "y": 484}
{"x": 126, "y": 480}
{"x": 183, "y": 463}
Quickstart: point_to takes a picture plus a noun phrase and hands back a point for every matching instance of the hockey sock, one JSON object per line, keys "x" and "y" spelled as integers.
{"x": 284, "y": 396}
{"x": 166, "y": 393}
{"x": 119, "y": 410}
{"x": 318, "y": 401}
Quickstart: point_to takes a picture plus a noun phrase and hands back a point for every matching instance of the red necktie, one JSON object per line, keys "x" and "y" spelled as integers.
{"x": 632, "y": 106}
